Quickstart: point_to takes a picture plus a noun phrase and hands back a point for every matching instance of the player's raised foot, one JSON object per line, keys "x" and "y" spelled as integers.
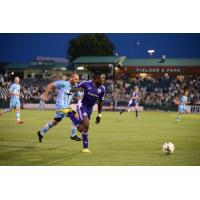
{"x": 76, "y": 138}
{"x": 40, "y": 137}
{"x": 86, "y": 150}
{"x": 19, "y": 122}
{"x": 177, "y": 119}
{"x": 121, "y": 112}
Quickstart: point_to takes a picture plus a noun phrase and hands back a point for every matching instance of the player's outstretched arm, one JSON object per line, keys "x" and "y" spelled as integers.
{"x": 98, "y": 118}
{"x": 48, "y": 89}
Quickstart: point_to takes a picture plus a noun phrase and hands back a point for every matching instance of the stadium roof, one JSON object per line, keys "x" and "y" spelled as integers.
{"x": 137, "y": 62}
{"x": 54, "y": 59}
{"x": 96, "y": 59}
{"x": 158, "y": 62}
{"x": 17, "y": 66}
{"x": 122, "y": 60}
{"x": 36, "y": 65}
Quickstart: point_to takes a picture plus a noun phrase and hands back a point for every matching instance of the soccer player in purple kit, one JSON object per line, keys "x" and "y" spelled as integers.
{"x": 93, "y": 90}
{"x": 134, "y": 102}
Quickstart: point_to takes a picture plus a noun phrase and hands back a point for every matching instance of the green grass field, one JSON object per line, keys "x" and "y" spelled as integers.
{"x": 117, "y": 140}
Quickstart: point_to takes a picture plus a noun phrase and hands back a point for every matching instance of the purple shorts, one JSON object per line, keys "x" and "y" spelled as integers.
{"x": 133, "y": 103}
{"x": 84, "y": 111}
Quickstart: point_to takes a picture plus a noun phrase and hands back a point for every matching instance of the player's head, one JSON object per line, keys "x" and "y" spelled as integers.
{"x": 74, "y": 78}
{"x": 186, "y": 93}
{"x": 16, "y": 80}
{"x": 136, "y": 89}
{"x": 98, "y": 78}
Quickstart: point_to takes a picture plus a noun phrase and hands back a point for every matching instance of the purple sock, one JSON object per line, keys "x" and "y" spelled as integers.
{"x": 85, "y": 140}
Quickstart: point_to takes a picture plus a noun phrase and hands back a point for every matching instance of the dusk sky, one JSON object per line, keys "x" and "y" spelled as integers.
{"x": 25, "y": 47}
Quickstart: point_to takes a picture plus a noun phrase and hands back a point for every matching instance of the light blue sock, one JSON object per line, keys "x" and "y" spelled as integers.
{"x": 178, "y": 118}
{"x": 73, "y": 130}
{"x": 18, "y": 115}
{"x": 6, "y": 110}
{"x": 48, "y": 126}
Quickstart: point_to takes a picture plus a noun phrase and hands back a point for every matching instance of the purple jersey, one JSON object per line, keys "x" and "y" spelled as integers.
{"x": 135, "y": 100}
{"x": 91, "y": 94}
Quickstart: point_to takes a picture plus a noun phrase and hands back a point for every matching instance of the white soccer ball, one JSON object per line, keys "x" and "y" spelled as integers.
{"x": 168, "y": 147}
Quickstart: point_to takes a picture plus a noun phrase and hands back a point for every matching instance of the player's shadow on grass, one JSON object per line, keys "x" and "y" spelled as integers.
{"x": 13, "y": 146}
{"x": 23, "y": 141}
{"x": 64, "y": 160}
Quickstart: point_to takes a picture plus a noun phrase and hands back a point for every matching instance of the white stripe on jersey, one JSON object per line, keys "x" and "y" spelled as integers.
{"x": 79, "y": 110}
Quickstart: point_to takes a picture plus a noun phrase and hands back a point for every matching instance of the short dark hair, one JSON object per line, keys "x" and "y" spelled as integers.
{"x": 72, "y": 74}
{"x": 96, "y": 74}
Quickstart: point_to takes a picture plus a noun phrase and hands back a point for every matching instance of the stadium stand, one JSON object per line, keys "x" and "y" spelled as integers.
{"x": 160, "y": 81}
{"x": 154, "y": 92}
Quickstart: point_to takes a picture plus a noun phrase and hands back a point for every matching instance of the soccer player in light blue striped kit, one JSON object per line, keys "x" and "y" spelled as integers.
{"x": 63, "y": 109}
{"x": 41, "y": 104}
{"x": 182, "y": 105}
{"x": 14, "y": 92}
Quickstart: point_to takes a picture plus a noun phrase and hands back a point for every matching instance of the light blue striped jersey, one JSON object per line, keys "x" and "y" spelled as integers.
{"x": 183, "y": 100}
{"x": 64, "y": 95}
{"x": 15, "y": 89}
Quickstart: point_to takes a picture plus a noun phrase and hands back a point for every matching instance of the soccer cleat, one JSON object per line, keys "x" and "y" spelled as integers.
{"x": 121, "y": 112}
{"x": 40, "y": 137}
{"x": 177, "y": 119}
{"x": 19, "y": 122}
{"x": 76, "y": 138}
{"x": 86, "y": 150}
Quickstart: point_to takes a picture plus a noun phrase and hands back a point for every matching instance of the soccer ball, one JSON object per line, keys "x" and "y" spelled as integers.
{"x": 168, "y": 148}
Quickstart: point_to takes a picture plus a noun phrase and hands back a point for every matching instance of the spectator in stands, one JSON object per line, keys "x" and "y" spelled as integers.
{"x": 153, "y": 91}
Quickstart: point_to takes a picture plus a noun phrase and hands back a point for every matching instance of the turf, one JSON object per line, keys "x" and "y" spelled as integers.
{"x": 117, "y": 140}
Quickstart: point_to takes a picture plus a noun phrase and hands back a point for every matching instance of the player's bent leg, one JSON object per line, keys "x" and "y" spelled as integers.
{"x": 137, "y": 112}
{"x": 5, "y": 111}
{"x": 74, "y": 123}
{"x": 187, "y": 111}
{"x": 80, "y": 128}
{"x": 178, "y": 116}
{"x": 122, "y": 111}
{"x": 74, "y": 117}
{"x": 46, "y": 128}
{"x": 75, "y": 120}
{"x": 180, "y": 111}
{"x": 73, "y": 133}
{"x": 85, "y": 123}
{"x": 18, "y": 120}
